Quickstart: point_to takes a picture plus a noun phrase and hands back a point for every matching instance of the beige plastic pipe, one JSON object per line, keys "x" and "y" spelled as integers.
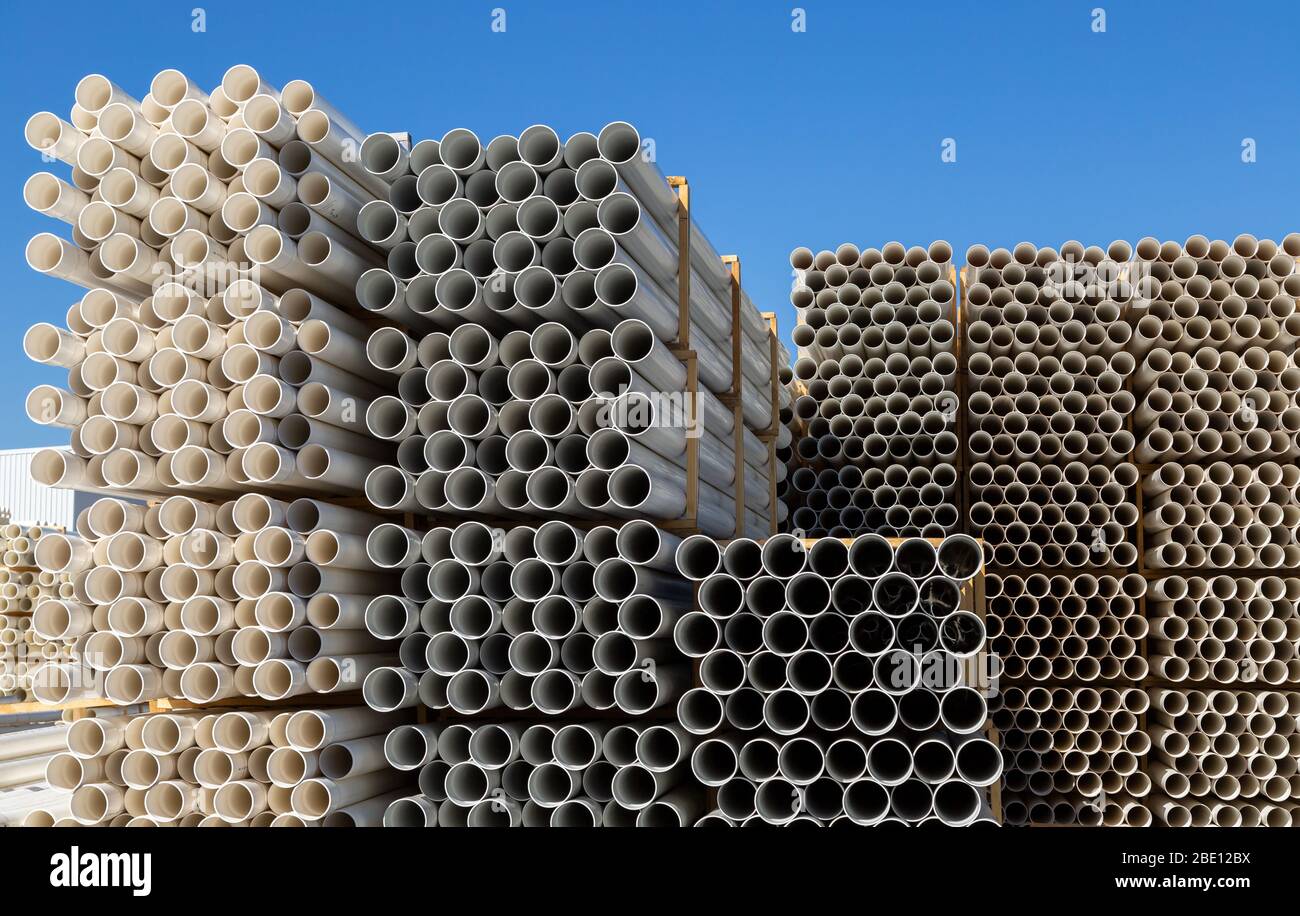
{"x": 26, "y": 742}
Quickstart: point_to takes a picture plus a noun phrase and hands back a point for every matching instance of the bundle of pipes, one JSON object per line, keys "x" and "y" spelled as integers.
{"x": 878, "y": 368}
{"x": 1230, "y": 516}
{"x": 207, "y": 601}
{"x": 1047, "y": 336}
{"x": 551, "y": 618}
{"x": 225, "y": 768}
{"x": 531, "y": 427}
{"x": 1074, "y": 755}
{"x": 1218, "y": 414}
{"x": 1053, "y": 488}
{"x": 1225, "y": 629}
{"x": 512, "y": 774}
{"x": 22, "y": 587}
{"x": 25, "y": 752}
{"x": 538, "y": 279}
{"x": 1047, "y": 515}
{"x": 1224, "y": 758}
{"x": 830, "y": 634}
{"x": 213, "y": 352}
{"x": 16, "y": 546}
{"x": 1055, "y": 628}
{"x": 1218, "y": 376}
{"x": 861, "y": 637}
{"x": 1072, "y": 810}
{"x": 910, "y": 777}
{"x": 23, "y": 651}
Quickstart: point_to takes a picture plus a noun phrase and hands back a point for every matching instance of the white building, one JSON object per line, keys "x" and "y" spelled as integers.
{"x": 29, "y": 503}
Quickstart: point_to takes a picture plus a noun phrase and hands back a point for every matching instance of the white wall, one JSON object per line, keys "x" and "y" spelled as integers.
{"x": 28, "y": 502}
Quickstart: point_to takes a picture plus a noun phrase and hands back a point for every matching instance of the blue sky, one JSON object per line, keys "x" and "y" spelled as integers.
{"x": 788, "y": 138}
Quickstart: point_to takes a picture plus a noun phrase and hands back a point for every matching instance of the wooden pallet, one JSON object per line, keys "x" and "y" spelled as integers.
{"x": 73, "y": 709}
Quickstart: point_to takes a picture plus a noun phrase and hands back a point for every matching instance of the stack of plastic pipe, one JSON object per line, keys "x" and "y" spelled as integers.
{"x": 1074, "y": 755}
{"x": 842, "y": 677}
{"x": 1056, "y": 628}
{"x": 25, "y": 799}
{"x": 1053, "y": 486}
{"x": 538, "y": 282}
{"x": 878, "y": 375}
{"x": 512, "y": 774}
{"x": 1035, "y": 514}
{"x": 227, "y": 768}
{"x": 213, "y": 351}
{"x": 553, "y": 619}
{"x": 1218, "y": 419}
{"x": 924, "y": 778}
{"x": 218, "y": 352}
{"x": 1222, "y": 516}
{"x": 1214, "y": 341}
{"x": 1046, "y": 336}
{"x": 209, "y": 601}
{"x": 1047, "y": 360}
{"x": 22, "y": 588}
{"x": 1224, "y": 758}
{"x": 1225, "y": 629}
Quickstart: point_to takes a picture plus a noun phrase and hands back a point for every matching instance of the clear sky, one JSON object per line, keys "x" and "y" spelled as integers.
{"x": 812, "y": 137}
